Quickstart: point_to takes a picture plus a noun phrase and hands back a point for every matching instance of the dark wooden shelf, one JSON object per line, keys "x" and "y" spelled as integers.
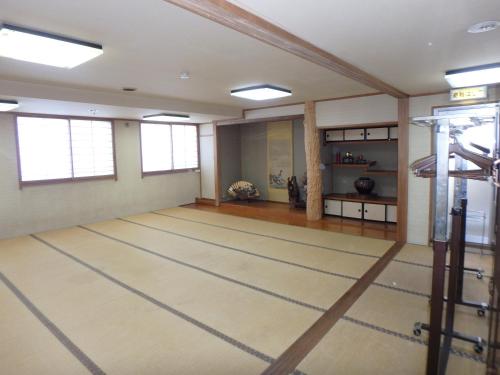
{"x": 362, "y": 199}
{"x": 364, "y": 141}
{"x": 354, "y": 165}
{"x": 380, "y": 172}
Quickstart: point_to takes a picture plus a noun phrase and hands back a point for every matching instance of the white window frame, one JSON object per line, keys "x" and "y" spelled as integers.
{"x": 172, "y": 170}
{"x": 22, "y": 183}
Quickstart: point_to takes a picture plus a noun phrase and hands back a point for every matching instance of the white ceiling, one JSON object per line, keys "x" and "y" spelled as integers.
{"x": 147, "y": 43}
{"x": 390, "y": 38}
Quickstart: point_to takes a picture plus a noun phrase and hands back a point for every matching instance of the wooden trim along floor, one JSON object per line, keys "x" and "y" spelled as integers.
{"x": 291, "y": 358}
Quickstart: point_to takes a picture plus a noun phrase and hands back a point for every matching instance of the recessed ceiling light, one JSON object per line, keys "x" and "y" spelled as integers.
{"x": 129, "y": 89}
{"x": 184, "y": 75}
{"x": 474, "y": 76}
{"x": 261, "y": 92}
{"x": 8, "y": 105}
{"x": 483, "y": 27}
{"x": 166, "y": 117}
{"x": 38, "y": 47}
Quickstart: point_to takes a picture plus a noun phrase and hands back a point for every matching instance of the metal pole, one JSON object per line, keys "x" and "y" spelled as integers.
{"x": 441, "y": 132}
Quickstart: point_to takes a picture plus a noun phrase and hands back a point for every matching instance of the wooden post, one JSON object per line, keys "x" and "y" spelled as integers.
{"x": 216, "y": 164}
{"x": 314, "y": 181}
{"x": 403, "y": 135}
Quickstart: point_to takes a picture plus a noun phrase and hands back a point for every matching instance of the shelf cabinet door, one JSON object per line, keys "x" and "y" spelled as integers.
{"x": 354, "y": 134}
{"x": 334, "y": 135}
{"x": 333, "y": 207}
{"x": 392, "y": 214}
{"x": 377, "y": 133}
{"x": 352, "y": 209}
{"x": 393, "y": 132}
{"x": 374, "y": 212}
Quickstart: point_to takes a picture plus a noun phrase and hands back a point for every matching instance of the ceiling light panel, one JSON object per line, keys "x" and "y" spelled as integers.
{"x": 166, "y": 117}
{"x": 42, "y": 48}
{"x": 261, "y": 92}
{"x": 8, "y": 105}
{"x": 475, "y": 76}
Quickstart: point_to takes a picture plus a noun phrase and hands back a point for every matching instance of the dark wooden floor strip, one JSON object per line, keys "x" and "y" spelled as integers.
{"x": 293, "y": 356}
{"x": 54, "y": 330}
{"x": 238, "y": 344}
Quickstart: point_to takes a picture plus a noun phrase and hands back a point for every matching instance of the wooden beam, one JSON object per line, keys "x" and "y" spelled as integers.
{"x": 403, "y": 136}
{"x": 216, "y": 164}
{"x": 314, "y": 182}
{"x": 242, "y": 121}
{"x": 238, "y": 19}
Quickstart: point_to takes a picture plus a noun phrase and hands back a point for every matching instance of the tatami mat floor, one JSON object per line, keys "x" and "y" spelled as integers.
{"x": 191, "y": 292}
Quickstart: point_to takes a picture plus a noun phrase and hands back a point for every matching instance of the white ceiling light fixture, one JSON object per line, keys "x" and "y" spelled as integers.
{"x": 474, "y": 76}
{"x": 483, "y": 27}
{"x": 166, "y": 117}
{"x": 8, "y": 105}
{"x": 184, "y": 75}
{"x": 39, "y": 47}
{"x": 261, "y": 92}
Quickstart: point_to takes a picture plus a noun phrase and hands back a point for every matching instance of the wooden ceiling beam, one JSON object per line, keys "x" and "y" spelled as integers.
{"x": 236, "y": 18}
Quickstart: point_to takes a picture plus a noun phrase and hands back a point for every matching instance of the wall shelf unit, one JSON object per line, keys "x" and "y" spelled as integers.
{"x": 377, "y": 143}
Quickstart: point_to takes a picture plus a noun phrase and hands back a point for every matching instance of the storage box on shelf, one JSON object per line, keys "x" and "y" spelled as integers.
{"x": 360, "y": 207}
{"x": 385, "y": 132}
{"x": 370, "y": 139}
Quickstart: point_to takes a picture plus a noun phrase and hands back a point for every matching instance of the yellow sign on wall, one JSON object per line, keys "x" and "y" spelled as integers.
{"x": 469, "y": 93}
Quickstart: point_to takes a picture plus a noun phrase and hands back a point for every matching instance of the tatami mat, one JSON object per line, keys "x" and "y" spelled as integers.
{"x": 120, "y": 331}
{"x": 229, "y": 294}
{"x": 27, "y": 346}
{"x": 342, "y": 241}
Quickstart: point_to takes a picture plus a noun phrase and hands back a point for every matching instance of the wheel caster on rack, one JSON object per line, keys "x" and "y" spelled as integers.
{"x": 481, "y": 312}
{"x": 417, "y": 332}
{"x": 479, "y": 275}
{"x": 478, "y": 348}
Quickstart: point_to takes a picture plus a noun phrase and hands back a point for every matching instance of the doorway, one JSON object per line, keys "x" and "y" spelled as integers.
{"x": 481, "y": 195}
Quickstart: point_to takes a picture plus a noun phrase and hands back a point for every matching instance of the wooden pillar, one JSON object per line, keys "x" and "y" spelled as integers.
{"x": 216, "y": 164}
{"x": 314, "y": 181}
{"x": 403, "y": 135}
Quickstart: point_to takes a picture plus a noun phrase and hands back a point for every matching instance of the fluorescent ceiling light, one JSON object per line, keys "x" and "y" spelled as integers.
{"x": 475, "y": 76}
{"x": 261, "y": 92}
{"x": 8, "y": 105}
{"x": 43, "y": 48}
{"x": 166, "y": 117}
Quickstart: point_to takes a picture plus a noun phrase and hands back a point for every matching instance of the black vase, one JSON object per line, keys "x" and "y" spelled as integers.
{"x": 364, "y": 185}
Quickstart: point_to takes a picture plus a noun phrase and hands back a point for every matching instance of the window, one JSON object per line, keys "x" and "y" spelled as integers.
{"x": 168, "y": 148}
{"x": 60, "y": 149}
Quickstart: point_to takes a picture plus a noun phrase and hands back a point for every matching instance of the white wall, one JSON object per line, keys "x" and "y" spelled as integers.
{"x": 39, "y": 208}
{"x": 207, "y": 161}
{"x": 286, "y": 110}
{"x": 359, "y": 110}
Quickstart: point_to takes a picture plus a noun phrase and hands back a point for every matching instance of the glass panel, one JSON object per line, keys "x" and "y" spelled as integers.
{"x": 185, "y": 143}
{"x": 156, "y": 145}
{"x": 44, "y": 148}
{"x": 92, "y": 143}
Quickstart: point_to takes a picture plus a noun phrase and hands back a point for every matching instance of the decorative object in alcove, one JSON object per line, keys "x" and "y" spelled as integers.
{"x": 364, "y": 185}
{"x": 243, "y": 190}
{"x": 294, "y": 194}
{"x": 348, "y": 158}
